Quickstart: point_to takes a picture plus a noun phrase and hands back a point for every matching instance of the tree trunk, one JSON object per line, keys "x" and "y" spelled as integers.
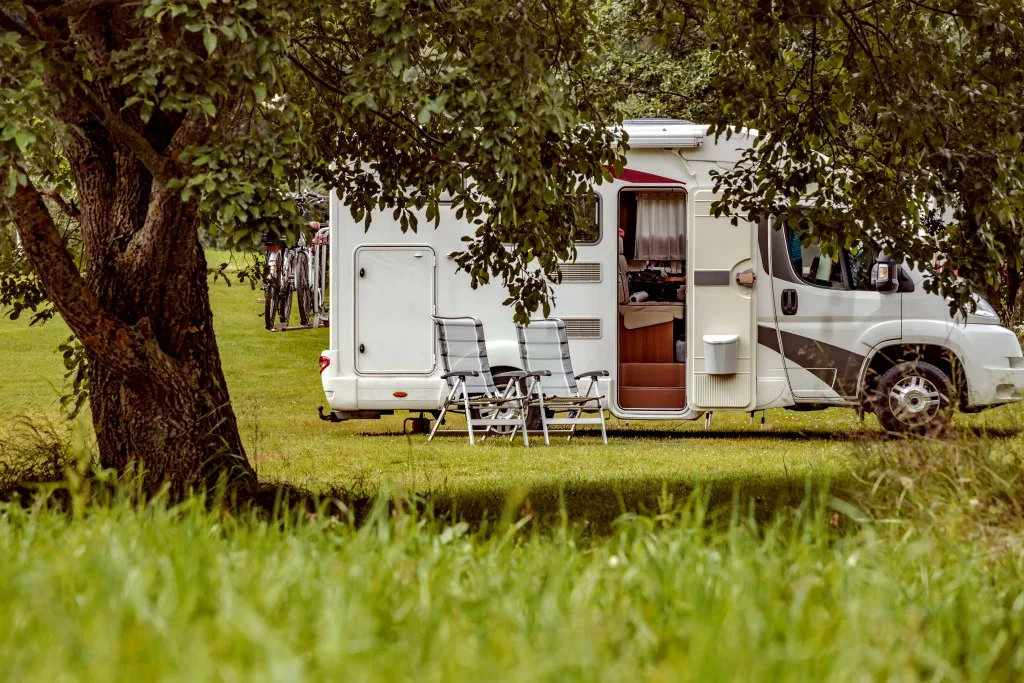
{"x": 159, "y": 401}
{"x": 181, "y": 428}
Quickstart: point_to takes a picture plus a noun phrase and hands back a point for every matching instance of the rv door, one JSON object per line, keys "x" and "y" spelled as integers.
{"x": 720, "y": 309}
{"x": 394, "y": 299}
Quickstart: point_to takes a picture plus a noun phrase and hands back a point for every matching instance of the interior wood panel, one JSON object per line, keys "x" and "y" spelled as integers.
{"x": 652, "y": 344}
{"x": 652, "y": 375}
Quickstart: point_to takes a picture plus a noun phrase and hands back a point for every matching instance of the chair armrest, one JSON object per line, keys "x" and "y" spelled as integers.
{"x": 593, "y": 373}
{"x": 538, "y": 373}
{"x": 461, "y": 373}
{"x": 512, "y": 374}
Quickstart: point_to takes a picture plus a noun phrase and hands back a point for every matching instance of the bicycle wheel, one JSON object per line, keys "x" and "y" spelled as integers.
{"x": 302, "y": 289}
{"x": 284, "y": 288}
{"x": 269, "y": 305}
{"x": 285, "y": 303}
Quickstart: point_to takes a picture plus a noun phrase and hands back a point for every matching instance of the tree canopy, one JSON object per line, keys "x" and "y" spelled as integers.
{"x": 894, "y": 120}
{"x": 144, "y": 121}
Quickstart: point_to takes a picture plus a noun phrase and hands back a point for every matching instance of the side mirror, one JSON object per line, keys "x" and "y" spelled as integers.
{"x": 884, "y": 276}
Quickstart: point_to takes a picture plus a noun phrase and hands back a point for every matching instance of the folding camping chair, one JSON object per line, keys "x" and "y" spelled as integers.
{"x": 471, "y": 387}
{"x": 544, "y": 351}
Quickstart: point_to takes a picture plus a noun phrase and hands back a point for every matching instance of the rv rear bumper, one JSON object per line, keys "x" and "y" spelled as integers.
{"x": 347, "y": 393}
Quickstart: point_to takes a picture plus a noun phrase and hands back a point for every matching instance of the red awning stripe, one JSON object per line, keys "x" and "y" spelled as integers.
{"x": 629, "y": 175}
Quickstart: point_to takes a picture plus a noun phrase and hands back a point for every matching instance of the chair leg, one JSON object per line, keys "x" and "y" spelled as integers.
{"x": 469, "y": 416}
{"x": 523, "y": 410}
{"x": 544, "y": 425}
{"x": 604, "y": 434}
{"x": 437, "y": 422}
{"x": 440, "y": 418}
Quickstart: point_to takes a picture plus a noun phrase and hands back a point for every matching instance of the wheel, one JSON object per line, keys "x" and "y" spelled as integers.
{"x": 303, "y": 296}
{"x": 269, "y": 305}
{"x": 915, "y": 398}
{"x": 303, "y": 292}
{"x": 285, "y": 305}
{"x": 501, "y": 383}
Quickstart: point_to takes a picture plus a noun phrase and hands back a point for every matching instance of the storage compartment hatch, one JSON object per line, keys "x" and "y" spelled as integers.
{"x": 394, "y": 299}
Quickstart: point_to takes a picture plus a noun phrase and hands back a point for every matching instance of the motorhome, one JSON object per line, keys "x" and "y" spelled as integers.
{"x": 689, "y": 312}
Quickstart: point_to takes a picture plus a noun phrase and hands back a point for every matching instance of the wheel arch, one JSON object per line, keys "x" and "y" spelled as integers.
{"x": 886, "y": 356}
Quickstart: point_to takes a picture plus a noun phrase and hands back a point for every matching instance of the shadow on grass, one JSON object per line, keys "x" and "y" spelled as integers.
{"x": 671, "y": 435}
{"x": 590, "y": 506}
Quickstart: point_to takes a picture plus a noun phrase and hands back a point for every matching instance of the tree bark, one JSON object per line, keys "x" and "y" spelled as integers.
{"x": 160, "y": 403}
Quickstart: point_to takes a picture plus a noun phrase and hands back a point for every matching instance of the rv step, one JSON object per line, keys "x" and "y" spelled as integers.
{"x": 671, "y": 375}
{"x": 652, "y": 398}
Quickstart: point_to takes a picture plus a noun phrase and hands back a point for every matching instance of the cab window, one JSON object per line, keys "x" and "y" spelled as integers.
{"x": 860, "y": 258}
{"x": 849, "y": 269}
{"x": 812, "y": 265}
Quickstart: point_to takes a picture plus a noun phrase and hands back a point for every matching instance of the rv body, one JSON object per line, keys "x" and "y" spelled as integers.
{"x": 794, "y": 327}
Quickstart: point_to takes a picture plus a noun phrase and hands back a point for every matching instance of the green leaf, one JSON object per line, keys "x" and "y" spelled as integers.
{"x": 209, "y": 40}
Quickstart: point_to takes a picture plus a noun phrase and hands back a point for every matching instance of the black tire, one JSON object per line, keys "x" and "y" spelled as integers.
{"x": 269, "y": 305}
{"x": 532, "y": 415}
{"x": 303, "y": 294}
{"x": 914, "y": 398}
{"x": 285, "y": 305}
{"x": 305, "y": 306}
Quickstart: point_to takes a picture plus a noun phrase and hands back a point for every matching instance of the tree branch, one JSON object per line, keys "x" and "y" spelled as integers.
{"x": 101, "y": 332}
{"x": 71, "y": 8}
{"x": 68, "y": 208}
{"x": 162, "y": 168}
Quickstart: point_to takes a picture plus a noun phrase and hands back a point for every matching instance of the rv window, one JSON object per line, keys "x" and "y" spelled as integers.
{"x": 812, "y": 265}
{"x": 859, "y": 260}
{"x": 592, "y": 235}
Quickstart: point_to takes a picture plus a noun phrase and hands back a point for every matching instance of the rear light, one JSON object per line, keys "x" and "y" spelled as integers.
{"x": 324, "y": 362}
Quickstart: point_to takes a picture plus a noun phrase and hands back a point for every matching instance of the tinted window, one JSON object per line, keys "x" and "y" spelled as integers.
{"x": 812, "y": 265}
{"x": 859, "y": 260}
{"x": 592, "y": 234}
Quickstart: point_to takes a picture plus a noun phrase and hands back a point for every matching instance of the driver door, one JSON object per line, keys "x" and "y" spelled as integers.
{"x": 828, "y": 316}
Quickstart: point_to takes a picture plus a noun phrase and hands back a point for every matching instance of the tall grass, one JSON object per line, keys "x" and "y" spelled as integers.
{"x": 123, "y": 591}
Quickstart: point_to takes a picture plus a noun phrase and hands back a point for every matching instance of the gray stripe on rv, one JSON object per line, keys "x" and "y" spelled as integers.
{"x": 814, "y": 356}
{"x": 711, "y": 278}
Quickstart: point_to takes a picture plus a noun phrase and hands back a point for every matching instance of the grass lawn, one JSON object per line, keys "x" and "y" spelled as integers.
{"x": 275, "y": 390}
{"x": 913, "y": 569}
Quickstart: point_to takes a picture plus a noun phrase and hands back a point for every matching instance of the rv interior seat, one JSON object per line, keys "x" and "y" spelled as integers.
{"x": 623, "y": 275}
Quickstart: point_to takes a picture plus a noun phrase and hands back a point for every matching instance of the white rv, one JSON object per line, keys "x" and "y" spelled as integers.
{"x": 689, "y": 313}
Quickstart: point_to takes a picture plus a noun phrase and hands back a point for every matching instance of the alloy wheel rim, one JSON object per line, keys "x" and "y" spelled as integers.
{"x": 914, "y": 400}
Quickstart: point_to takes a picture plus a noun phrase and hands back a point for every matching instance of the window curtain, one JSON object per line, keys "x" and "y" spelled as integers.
{"x": 661, "y": 226}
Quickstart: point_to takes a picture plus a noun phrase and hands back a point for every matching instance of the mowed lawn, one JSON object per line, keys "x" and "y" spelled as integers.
{"x": 275, "y": 390}
{"x": 915, "y": 573}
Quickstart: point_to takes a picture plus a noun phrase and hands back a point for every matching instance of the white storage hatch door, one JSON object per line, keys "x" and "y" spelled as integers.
{"x": 394, "y": 299}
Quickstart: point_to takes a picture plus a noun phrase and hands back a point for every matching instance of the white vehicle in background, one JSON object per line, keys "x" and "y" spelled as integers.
{"x": 689, "y": 313}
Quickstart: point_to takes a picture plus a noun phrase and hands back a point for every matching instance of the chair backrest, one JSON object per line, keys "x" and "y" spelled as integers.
{"x": 544, "y": 345}
{"x": 462, "y": 348}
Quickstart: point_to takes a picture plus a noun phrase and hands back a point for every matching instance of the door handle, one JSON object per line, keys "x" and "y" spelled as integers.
{"x": 789, "y": 302}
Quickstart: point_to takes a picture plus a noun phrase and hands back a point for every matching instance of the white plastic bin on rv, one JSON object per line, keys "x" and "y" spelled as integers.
{"x": 720, "y": 352}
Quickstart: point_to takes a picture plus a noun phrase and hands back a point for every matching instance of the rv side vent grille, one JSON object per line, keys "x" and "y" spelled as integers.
{"x": 582, "y": 328}
{"x": 574, "y": 273}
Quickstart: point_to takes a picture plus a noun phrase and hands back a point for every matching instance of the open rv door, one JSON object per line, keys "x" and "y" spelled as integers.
{"x": 721, "y": 309}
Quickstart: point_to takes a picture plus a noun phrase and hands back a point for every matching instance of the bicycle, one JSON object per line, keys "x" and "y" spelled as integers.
{"x": 277, "y": 285}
